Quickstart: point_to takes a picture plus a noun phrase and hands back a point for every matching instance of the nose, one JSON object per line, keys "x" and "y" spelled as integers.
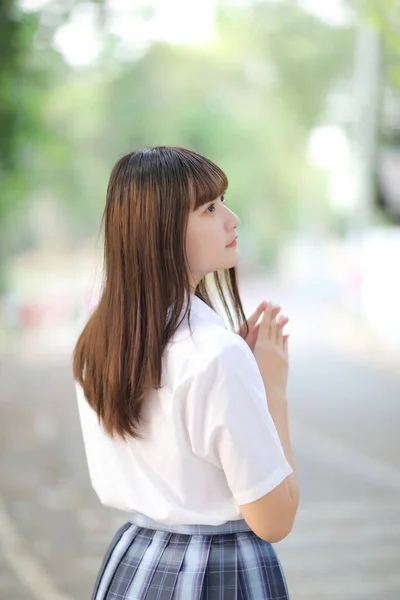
{"x": 232, "y": 220}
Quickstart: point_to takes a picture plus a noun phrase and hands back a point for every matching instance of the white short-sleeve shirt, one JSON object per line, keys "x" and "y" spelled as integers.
{"x": 209, "y": 443}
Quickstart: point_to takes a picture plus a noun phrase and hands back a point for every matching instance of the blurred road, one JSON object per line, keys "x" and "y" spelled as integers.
{"x": 344, "y": 396}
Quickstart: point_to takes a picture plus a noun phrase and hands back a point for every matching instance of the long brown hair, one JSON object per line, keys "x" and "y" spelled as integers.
{"x": 118, "y": 355}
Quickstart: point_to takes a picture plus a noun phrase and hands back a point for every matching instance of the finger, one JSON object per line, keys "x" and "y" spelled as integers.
{"x": 274, "y": 313}
{"x": 286, "y": 344}
{"x": 254, "y": 333}
{"x": 275, "y": 310}
{"x": 269, "y": 320}
{"x": 270, "y": 313}
{"x": 283, "y": 319}
{"x": 279, "y": 340}
{"x": 272, "y": 326}
{"x": 252, "y": 320}
{"x": 264, "y": 323}
{"x": 281, "y": 322}
{"x": 279, "y": 331}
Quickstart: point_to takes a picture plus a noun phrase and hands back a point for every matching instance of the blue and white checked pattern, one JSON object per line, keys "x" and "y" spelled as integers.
{"x": 144, "y": 563}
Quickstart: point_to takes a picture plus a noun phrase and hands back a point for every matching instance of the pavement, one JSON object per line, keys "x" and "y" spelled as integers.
{"x": 344, "y": 398}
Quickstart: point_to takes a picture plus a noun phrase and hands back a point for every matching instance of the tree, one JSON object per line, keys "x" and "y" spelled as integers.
{"x": 28, "y": 68}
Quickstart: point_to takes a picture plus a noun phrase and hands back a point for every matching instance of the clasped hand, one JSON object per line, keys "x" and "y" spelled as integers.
{"x": 271, "y": 312}
{"x": 270, "y": 348}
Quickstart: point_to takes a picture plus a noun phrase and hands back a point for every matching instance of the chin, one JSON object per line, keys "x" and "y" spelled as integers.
{"x": 228, "y": 263}
{"x": 233, "y": 261}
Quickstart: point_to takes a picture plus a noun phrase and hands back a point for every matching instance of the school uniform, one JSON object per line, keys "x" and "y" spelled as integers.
{"x": 208, "y": 445}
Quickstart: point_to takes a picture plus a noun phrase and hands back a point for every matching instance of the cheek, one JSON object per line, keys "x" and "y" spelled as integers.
{"x": 200, "y": 246}
{"x": 193, "y": 239}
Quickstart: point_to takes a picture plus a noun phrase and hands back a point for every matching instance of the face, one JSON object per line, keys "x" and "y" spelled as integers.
{"x": 211, "y": 228}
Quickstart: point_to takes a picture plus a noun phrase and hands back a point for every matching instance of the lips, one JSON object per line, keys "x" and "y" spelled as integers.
{"x": 232, "y": 242}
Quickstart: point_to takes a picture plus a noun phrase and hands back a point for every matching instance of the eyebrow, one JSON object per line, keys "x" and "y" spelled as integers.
{"x": 221, "y": 194}
{"x": 213, "y": 201}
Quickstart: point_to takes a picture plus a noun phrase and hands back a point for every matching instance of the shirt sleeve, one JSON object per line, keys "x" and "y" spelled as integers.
{"x": 231, "y": 427}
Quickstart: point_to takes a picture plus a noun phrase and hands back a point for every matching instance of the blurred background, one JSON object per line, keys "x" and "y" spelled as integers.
{"x": 299, "y": 102}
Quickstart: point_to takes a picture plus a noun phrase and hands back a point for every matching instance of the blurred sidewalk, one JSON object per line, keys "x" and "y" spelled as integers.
{"x": 353, "y": 336}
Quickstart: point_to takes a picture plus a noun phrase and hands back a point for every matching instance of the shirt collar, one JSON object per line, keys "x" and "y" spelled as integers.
{"x": 202, "y": 311}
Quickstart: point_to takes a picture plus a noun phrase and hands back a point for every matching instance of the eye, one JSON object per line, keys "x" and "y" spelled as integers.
{"x": 211, "y": 208}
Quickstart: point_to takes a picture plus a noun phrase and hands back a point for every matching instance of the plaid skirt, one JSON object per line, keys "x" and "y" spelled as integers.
{"x": 150, "y": 561}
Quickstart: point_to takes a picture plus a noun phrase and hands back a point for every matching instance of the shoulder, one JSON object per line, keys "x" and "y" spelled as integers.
{"x": 209, "y": 350}
{"x": 226, "y": 380}
{"x": 221, "y": 349}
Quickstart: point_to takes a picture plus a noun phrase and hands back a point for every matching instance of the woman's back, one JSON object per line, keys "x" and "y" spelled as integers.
{"x": 179, "y": 471}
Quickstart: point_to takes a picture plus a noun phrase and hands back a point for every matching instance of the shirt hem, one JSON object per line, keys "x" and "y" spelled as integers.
{"x": 231, "y": 526}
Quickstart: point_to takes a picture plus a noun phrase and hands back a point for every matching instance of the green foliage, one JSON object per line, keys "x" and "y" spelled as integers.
{"x": 248, "y": 100}
{"x": 385, "y": 17}
{"x": 19, "y": 102}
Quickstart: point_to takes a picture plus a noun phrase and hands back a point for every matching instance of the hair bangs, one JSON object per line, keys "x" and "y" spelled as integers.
{"x": 207, "y": 180}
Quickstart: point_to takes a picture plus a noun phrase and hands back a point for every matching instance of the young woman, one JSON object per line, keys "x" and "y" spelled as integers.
{"x": 184, "y": 420}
